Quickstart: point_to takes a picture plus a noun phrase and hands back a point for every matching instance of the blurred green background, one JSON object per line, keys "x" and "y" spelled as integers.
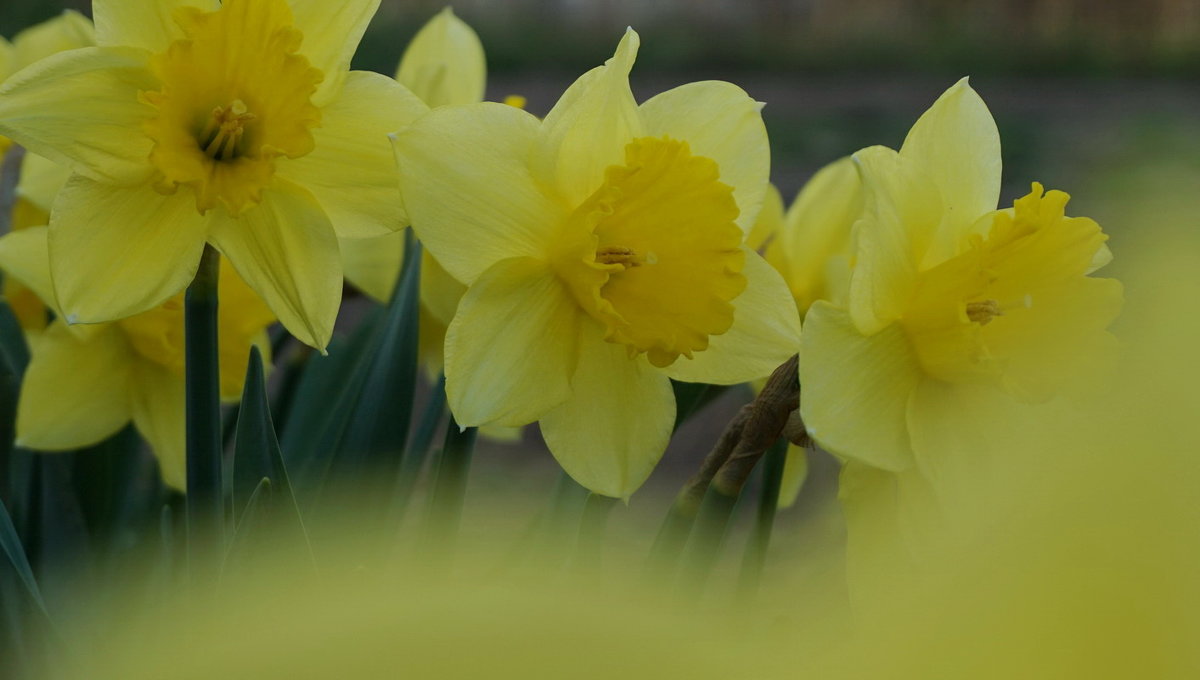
{"x": 1095, "y": 97}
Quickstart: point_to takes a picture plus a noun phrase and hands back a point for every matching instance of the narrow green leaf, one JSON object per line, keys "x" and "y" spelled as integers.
{"x": 378, "y": 430}
{"x": 324, "y": 402}
{"x": 257, "y": 458}
{"x": 14, "y": 463}
{"x": 256, "y": 453}
{"x": 254, "y": 517}
{"x": 10, "y": 543}
{"x": 420, "y": 447}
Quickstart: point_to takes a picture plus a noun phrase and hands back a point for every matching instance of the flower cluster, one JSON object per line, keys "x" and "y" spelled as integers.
{"x": 573, "y": 266}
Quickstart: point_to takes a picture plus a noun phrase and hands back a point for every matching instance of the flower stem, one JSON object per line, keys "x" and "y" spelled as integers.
{"x": 205, "y": 512}
{"x": 592, "y": 527}
{"x": 768, "y": 504}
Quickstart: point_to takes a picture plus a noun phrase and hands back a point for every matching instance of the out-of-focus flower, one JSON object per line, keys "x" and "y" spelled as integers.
{"x": 954, "y": 308}
{"x": 235, "y": 124}
{"x": 84, "y": 383}
{"x": 603, "y": 250}
{"x": 40, "y": 178}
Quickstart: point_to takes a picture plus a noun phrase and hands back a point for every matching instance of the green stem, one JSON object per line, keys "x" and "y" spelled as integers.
{"x": 205, "y": 512}
{"x": 768, "y": 505}
{"x": 450, "y": 487}
{"x": 708, "y": 536}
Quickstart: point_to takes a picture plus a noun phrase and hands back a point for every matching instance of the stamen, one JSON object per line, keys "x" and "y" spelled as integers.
{"x": 225, "y": 130}
{"x": 984, "y": 311}
{"x": 618, "y": 255}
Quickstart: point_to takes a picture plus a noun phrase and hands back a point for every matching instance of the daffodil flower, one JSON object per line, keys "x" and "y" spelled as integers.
{"x": 603, "y": 250}
{"x": 236, "y": 124}
{"x": 954, "y": 308}
{"x": 40, "y": 178}
{"x": 84, "y": 383}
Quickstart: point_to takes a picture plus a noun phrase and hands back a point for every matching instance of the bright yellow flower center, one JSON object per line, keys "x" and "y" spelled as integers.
{"x": 235, "y": 97}
{"x": 654, "y": 254}
{"x": 1009, "y": 293}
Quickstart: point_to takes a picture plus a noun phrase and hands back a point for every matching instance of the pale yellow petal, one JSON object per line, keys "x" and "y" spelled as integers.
{"x": 816, "y": 230}
{"x": 855, "y": 388}
{"x": 900, "y": 216}
{"x": 25, "y": 257}
{"x": 613, "y": 430}
{"x": 512, "y": 346}
{"x": 440, "y": 292}
{"x": 795, "y": 473}
{"x": 285, "y": 250}
{"x": 81, "y": 108}
{"x": 147, "y": 24}
{"x": 469, "y": 190}
{"x": 159, "y": 414}
{"x": 8, "y": 59}
{"x": 67, "y": 31}
{"x": 770, "y": 220}
{"x": 588, "y": 128}
{"x": 444, "y": 63}
{"x": 720, "y": 121}
{"x": 765, "y": 333}
{"x": 41, "y": 180}
{"x": 352, "y": 171}
{"x": 955, "y": 429}
{"x": 116, "y": 251}
{"x": 957, "y": 146}
{"x": 373, "y": 264}
{"x": 332, "y": 31}
{"x": 76, "y": 391}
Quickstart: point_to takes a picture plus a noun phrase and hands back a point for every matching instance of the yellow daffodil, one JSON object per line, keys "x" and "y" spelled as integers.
{"x": 40, "y": 179}
{"x": 236, "y": 124}
{"x": 953, "y": 308}
{"x": 603, "y": 252}
{"x": 84, "y": 383}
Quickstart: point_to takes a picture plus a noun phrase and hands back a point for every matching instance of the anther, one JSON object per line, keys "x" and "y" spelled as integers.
{"x": 618, "y": 255}
{"x": 225, "y": 129}
{"x": 983, "y": 312}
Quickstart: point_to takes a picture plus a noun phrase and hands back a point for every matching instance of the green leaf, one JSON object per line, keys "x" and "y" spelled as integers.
{"x": 256, "y": 452}
{"x": 324, "y": 402}
{"x": 690, "y": 398}
{"x": 257, "y": 459}
{"x": 378, "y": 429}
{"x": 254, "y": 518}
{"x": 10, "y": 544}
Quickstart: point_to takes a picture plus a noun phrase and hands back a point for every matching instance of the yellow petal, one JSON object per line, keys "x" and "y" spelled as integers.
{"x": 765, "y": 333}
{"x": 589, "y": 127}
{"x": 285, "y": 249}
{"x": 67, "y": 31}
{"x": 465, "y": 180}
{"x": 855, "y": 388}
{"x": 352, "y": 169}
{"x": 147, "y": 24}
{"x": 76, "y": 391}
{"x": 8, "y": 59}
{"x": 613, "y": 430}
{"x": 373, "y": 264}
{"x": 512, "y": 346}
{"x": 41, "y": 180}
{"x": 770, "y": 220}
{"x": 81, "y": 109}
{"x": 444, "y": 64}
{"x": 720, "y": 121}
{"x": 158, "y": 413}
{"x": 956, "y": 428}
{"x": 25, "y": 257}
{"x": 957, "y": 145}
{"x": 901, "y": 214}
{"x": 795, "y": 472}
{"x": 117, "y": 251}
{"x": 817, "y": 230}
{"x": 332, "y": 31}
{"x": 440, "y": 292}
